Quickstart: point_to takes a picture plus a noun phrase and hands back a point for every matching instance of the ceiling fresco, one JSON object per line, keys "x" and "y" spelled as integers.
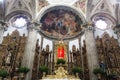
{"x": 81, "y": 4}
{"x": 61, "y": 23}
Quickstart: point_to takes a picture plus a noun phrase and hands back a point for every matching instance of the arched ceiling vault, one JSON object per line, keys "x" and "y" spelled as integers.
{"x": 66, "y": 8}
{"x": 14, "y": 7}
{"x": 17, "y": 12}
{"x": 87, "y": 8}
{"x": 106, "y": 7}
{"x": 71, "y": 8}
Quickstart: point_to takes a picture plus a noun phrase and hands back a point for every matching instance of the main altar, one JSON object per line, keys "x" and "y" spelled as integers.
{"x": 61, "y": 70}
{"x": 60, "y": 74}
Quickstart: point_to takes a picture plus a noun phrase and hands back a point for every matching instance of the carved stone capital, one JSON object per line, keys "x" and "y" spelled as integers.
{"x": 3, "y": 25}
{"x": 117, "y": 29}
{"x": 34, "y": 25}
{"x": 88, "y": 26}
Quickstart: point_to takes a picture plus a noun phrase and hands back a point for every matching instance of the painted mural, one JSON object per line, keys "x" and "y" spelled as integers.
{"x": 81, "y": 4}
{"x": 40, "y": 4}
{"x": 61, "y": 23}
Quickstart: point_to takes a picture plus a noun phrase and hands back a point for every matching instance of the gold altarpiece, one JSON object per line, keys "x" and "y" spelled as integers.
{"x": 60, "y": 71}
{"x": 108, "y": 51}
{"x": 61, "y": 51}
{"x": 11, "y": 52}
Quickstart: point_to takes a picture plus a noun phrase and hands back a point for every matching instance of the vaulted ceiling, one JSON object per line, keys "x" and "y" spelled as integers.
{"x": 34, "y": 6}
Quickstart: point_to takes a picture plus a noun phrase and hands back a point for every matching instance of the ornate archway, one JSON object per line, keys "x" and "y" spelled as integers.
{"x": 61, "y": 21}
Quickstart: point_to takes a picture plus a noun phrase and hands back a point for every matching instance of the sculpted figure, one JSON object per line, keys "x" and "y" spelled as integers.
{"x": 61, "y": 73}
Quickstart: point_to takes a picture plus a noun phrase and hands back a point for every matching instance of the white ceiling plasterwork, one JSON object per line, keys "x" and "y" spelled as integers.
{"x": 1, "y": 0}
{"x": 70, "y": 2}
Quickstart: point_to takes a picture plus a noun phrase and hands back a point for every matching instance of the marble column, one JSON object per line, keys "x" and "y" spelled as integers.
{"x": 91, "y": 51}
{"x": 28, "y": 57}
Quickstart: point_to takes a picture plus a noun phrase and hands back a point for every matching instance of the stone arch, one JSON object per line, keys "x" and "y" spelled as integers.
{"x": 65, "y": 7}
{"x": 18, "y": 12}
{"x": 52, "y": 7}
{"x": 105, "y": 15}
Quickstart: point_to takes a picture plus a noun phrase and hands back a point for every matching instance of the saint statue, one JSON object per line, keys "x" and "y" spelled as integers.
{"x": 8, "y": 58}
{"x": 102, "y": 66}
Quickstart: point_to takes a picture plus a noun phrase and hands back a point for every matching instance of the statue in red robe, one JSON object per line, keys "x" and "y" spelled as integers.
{"x": 61, "y": 52}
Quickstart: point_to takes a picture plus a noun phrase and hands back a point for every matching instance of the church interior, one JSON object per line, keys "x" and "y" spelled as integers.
{"x": 59, "y": 40}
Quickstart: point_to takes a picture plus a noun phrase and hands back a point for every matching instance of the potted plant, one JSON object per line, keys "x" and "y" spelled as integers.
{"x": 3, "y": 74}
{"x": 44, "y": 69}
{"x": 77, "y": 70}
{"x": 111, "y": 76}
{"x": 98, "y": 72}
{"x": 60, "y": 61}
{"x": 23, "y": 70}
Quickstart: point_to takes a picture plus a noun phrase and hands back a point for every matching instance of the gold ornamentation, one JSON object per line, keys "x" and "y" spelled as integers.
{"x": 61, "y": 73}
{"x": 60, "y": 44}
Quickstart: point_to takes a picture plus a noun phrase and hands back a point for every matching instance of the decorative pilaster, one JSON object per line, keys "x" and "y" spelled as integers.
{"x": 91, "y": 51}
{"x": 41, "y": 43}
{"x": 82, "y": 60}
{"x": 40, "y": 52}
{"x": 28, "y": 57}
{"x": 53, "y": 55}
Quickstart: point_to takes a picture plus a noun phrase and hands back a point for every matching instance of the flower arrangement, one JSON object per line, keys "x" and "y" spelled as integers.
{"x": 62, "y": 61}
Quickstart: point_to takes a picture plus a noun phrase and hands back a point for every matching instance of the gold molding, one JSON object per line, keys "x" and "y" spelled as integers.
{"x": 60, "y": 44}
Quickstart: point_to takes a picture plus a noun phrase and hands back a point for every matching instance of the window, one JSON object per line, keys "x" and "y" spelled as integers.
{"x": 1, "y": 0}
{"x": 101, "y": 24}
{"x": 19, "y": 22}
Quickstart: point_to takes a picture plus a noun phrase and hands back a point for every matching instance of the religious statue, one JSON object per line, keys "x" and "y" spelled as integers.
{"x": 102, "y": 66}
{"x": 61, "y": 73}
{"x": 73, "y": 48}
{"x": 61, "y": 52}
{"x": 3, "y": 60}
{"x": 8, "y": 58}
{"x": 47, "y": 48}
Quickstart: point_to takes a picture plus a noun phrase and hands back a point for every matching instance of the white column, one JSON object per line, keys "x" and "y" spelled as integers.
{"x": 28, "y": 57}
{"x": 2, "y": 28}
{"x": 118, "y": 38}
{"x": 117, "y": 30}
{"x": 91, "y": 51}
